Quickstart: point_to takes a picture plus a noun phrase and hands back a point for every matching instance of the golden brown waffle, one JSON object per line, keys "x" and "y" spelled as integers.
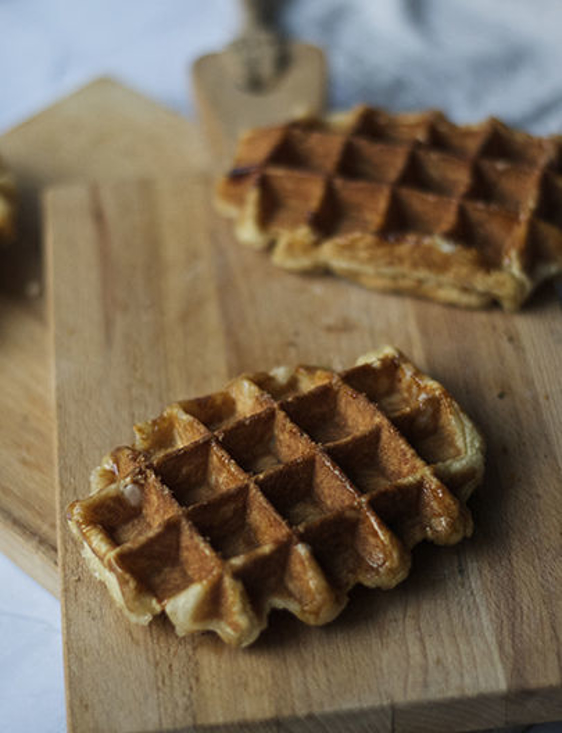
{"x": 408, "y": 202}
{"x": 282, "y": 491}
{"x": 7, "y": 204}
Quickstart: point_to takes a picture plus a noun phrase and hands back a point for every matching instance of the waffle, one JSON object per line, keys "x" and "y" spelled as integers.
{"x": 7, "y": 204}
{"x": 468, "y": 215}
{"x": 282, "y": 491}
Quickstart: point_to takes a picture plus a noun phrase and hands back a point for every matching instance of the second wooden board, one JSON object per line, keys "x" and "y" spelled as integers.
{"x": 101, "y": 131}
{"x": 152, "y": 300}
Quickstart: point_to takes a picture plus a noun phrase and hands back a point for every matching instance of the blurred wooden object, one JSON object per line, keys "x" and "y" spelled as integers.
{"x": 103, "y": 130}
{"x": 259, "y": 79}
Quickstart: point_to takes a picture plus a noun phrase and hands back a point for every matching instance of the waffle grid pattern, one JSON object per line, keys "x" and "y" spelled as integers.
{"x": 278, "y": 493}
{"x": 485, "y": 188}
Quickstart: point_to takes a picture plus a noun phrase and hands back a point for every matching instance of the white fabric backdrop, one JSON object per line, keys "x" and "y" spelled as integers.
{"x": 471, "y": 58}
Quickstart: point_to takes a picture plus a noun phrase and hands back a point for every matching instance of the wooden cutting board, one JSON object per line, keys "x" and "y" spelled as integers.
{"x": 103, "y": 130}
{"x": 152, "y": 301}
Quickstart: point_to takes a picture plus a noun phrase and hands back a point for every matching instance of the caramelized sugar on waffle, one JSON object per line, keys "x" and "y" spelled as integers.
{"x": 7, "y": 204}
{"x": 282, "y": 491}
{"x": 468, "y": 215}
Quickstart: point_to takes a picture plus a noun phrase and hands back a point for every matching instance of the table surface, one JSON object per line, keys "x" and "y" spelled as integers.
{"x": 449, "y": 55}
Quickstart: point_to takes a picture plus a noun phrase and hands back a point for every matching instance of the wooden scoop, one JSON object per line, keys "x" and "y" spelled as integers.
{"x": 259, "y": 79}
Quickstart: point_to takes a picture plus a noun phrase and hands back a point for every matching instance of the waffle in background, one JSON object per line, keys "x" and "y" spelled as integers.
{"x": 7, "y": 204}
{"x": 284, "y": 490}
{"x": 468, "y": 215}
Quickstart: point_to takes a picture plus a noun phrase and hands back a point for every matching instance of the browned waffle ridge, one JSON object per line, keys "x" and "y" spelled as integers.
{"x": 468, "y": 215}
{"x": 284, "y": 490}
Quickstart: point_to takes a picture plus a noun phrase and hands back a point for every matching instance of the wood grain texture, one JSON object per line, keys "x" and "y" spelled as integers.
{"x": 152, "y": 300}
{"x": 103, "y": 130}
{"x": 226, "y": 110}
{"x": 27, "y": 496}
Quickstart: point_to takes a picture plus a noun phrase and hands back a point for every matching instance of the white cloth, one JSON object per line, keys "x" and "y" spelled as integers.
{"x": 31, "y": 676}
{"x": 471, "y": 58}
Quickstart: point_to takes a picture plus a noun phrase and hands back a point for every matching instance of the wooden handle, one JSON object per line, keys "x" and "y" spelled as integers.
{"x": 258, "y": 55}
{"x": 253, "y": 15}
{"x": 258, "y": 17}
